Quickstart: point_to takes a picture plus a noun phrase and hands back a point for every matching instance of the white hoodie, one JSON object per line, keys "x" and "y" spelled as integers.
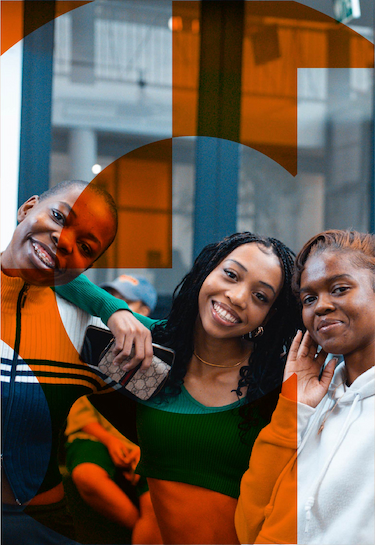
{"x": 335, "y": 467}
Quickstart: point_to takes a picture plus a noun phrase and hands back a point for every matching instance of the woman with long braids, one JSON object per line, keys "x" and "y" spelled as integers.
{"x": 232, "y": 321}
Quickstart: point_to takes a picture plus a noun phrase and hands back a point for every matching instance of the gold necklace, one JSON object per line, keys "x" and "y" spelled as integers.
{"x": 217, "y": 365}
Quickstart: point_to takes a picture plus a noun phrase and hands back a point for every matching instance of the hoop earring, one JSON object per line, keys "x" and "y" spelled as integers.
{"x": 257, "y": 333}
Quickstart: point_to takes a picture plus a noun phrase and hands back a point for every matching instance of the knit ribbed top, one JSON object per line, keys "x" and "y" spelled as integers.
{"x": 41, "y": 377}
{"x": 182, "y": 440}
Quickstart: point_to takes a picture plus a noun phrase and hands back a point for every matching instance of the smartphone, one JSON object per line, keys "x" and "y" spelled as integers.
{"x": 97, "y": 350}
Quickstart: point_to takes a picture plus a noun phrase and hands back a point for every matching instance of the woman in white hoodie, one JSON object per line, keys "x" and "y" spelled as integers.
{"x": 311, "y": 473}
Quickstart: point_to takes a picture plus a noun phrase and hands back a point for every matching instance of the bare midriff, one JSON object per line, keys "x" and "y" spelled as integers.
{"x": 190, "y": 514}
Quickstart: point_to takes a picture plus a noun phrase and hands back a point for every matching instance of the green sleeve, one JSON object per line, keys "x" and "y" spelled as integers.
{"x": 97, "y": 302}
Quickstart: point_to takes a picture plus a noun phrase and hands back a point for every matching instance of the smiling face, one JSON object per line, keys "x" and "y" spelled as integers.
{"x": 338, "y": 301}
{"x": 59, "y": 237}
{"x": 238, "y": 294}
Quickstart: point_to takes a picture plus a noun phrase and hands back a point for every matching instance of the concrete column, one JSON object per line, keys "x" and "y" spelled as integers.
{"x": 82, "y": 153}
{"x": 83, "y": 49}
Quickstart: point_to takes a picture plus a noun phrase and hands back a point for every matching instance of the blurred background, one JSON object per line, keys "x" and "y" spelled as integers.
{"x": 201, "y": 118}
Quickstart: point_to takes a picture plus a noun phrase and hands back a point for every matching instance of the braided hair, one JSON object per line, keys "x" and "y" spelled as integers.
{"x": 266, "y": 363}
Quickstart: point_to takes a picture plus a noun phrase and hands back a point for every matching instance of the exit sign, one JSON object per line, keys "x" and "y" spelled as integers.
{"x": 346, "y": 10}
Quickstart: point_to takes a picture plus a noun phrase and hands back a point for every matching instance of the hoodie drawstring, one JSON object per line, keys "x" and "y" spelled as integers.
{"x": 311, "y": 499}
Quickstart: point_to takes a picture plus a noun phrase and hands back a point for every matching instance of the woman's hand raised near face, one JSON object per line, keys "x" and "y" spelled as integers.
{"x": 304, "y": 361}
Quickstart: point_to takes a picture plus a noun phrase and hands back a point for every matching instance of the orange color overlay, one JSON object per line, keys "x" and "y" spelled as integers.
{"x": 141, "y": 185}
{"x": 12, "y": 23}
{"x": 267, "y": 506}
{"x": 279, "y": 38}
{"x": 34, "y": 344}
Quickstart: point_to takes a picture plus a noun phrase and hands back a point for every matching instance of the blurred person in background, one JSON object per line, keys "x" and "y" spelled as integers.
{"x": 97, "y": 454}
{"x": 135, "y": 290}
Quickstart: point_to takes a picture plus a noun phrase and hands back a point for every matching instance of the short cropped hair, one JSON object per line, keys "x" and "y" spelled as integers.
{"x": 361, "y": 246}
{"x": 68, "y": 184}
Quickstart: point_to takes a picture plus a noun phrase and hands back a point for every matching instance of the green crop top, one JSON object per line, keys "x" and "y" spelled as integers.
{"x": 182, "y": 440}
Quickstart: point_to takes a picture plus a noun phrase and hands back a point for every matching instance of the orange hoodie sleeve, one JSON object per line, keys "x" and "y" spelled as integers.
{"x": 271, "y": 464}
{"x": 267, "y": 506}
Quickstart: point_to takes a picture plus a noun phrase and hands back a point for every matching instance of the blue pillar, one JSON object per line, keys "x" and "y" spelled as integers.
{"x": 216, "y": 190}
{"x": 219, "y": 113}
{"x": 35, "y": 142}
{"x": 372, "y": 176}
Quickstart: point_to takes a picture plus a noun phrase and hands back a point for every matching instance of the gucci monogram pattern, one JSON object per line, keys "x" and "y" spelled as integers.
{"x": 142, "y": 384}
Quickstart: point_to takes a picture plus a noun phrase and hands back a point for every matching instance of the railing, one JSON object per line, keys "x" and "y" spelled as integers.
{"x": 124, "y": 51}
{"x": 140, "y": 52}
